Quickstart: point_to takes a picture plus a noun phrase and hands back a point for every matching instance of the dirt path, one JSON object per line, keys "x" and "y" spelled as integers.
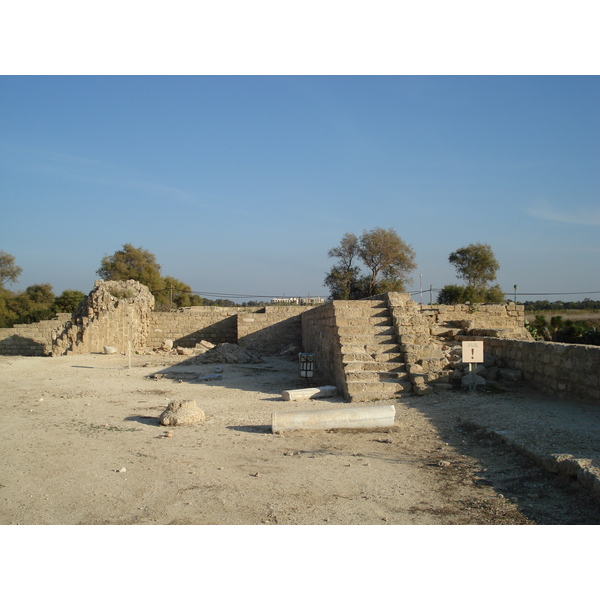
{"x": 82, "y": 445}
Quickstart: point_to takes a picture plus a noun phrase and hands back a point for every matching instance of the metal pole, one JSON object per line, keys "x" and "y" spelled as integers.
{"x": 472, "y": 375}
{"x": 430, "y": 293}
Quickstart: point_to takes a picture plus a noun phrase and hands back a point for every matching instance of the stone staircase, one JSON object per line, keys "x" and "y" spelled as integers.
{"x": 373, "y": 362}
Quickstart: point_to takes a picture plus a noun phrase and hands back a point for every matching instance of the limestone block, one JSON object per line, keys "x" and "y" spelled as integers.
{"x": 466, "y": 380}
{"x": 423, "y": 390}
{"x": 512, "y": 375}
{"x": 326, "y": 391}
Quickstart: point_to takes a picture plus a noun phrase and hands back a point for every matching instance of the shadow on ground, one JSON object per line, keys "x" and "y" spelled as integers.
{"x": 472, "y": 425}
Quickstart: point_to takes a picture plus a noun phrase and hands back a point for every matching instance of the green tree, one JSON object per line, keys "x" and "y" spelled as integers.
{"x": 40, "y": 293}
{"x": 341, "y": 279}
{"x": 475, "y": 264}
{"x": 133, "y": 263}
{"x": 9, "y": 272}
{"x": 387, "y": 258}
{"x": 175, "y": 291}
{"x": 68, "y": 301}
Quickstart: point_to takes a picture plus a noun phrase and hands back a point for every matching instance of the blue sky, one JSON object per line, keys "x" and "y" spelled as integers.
{"x": 241, "y": 184}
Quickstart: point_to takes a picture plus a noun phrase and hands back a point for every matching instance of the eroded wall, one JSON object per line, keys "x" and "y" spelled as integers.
{"x": 569, "y": 371}
{"x": 34, "y": 339}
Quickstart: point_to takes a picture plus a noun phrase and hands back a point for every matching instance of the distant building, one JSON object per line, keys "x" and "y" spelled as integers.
{"x": 301, "y": 301}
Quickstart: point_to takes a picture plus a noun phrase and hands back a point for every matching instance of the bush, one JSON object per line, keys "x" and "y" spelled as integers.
{"x": 460, "y": 294}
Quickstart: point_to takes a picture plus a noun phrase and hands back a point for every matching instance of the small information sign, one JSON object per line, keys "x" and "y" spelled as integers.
{"x": 472, "y": 352}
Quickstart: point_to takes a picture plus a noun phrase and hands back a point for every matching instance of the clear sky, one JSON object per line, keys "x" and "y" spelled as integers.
{"x": 241, "y": 184}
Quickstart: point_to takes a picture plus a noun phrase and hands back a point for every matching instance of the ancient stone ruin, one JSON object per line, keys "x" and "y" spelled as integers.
{"x": 115, "y": 314}
{"x": 381, "y": 348}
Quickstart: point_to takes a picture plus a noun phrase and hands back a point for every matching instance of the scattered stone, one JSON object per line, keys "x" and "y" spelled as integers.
{"x": 184, "y": 351}
{"x": 122, "y": 470}
{"x": 466, "y": 380}
{"x": 213, "y": 377}
{"x": 291, "y": 350}
{"x": 444, "y": 463}
{"x": 182, "y": 412}
{"x": 168, "y": 434}
{"x": 227, "y": 353}
{"x": 109, "y": 350}
{"x": 203, "y": 346}
{"x": 511, "y": 375}
{"x": 219, "y": 369}
{"x": 492, "y": 374}
{"x": 167, "y": 345}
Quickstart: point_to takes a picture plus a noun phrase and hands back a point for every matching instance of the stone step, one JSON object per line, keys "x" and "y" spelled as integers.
{"x": 379, "y": 357}
{"x": 391, "y": 348}
{"x": 360, "y": 303}
{"x": 364, "y": 391}
{"x": 381, "y": 321}
{"x": 366, "y": 330}
{"x": 366, "y": 340}
{"x": 360, "y": 313}
{"x": 371, "y": 365}
{"x": 375, "y": 376}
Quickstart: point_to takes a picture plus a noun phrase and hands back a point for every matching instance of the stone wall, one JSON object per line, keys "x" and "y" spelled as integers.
{"x": 189, "y": 326}
{"x": 119, "y": 313}
{"x": 34, "y": 339}
{"x": 320, "y": 335}
{"x": 569, "y": 371}
{"x": 114, "y": 314}
{"x": 272, "y": 329}
{"x": 264, "y": 330}
{"x": 496, "y": 320}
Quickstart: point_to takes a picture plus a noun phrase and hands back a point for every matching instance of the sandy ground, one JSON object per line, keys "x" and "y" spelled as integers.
{"x": 81, "y": 444}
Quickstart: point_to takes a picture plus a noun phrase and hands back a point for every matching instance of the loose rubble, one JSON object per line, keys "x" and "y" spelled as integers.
{"x": 182, "y": 412}
{"x": 226, "y": 353}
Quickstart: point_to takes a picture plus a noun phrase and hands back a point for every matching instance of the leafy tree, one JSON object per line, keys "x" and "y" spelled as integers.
{"x": 387, "y": 258}
{"x": 68, "y": 301}
{"x": 174, "y": 291}
{"x": 342, "y": 278}
{"x": 384, "y": 253}
{"x": 132, "y": 263}
{"x": 475, "y": 264}
{"x": 459, "y": 294}
{"x": 9, "y": 272}
{"x": 7, "y": 315}
{"x": 40, "y": 293}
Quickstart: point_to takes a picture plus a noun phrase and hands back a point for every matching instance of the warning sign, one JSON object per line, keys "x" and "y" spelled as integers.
{"x": 472, "y": 352}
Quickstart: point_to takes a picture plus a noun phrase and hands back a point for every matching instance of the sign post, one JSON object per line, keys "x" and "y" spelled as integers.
{"x": 472, "y": 353}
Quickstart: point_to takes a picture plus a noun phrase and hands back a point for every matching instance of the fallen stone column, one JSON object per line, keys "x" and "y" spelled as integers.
{"x": 325, "y": 391}
{"x": 366, "y": 417}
